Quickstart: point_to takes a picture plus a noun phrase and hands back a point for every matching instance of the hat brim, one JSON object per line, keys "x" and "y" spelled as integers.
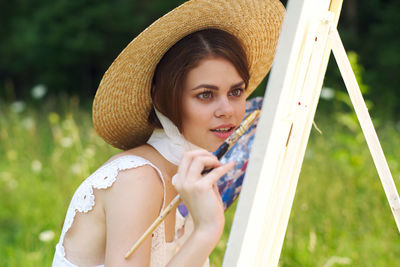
{"x": 123, "y": 102}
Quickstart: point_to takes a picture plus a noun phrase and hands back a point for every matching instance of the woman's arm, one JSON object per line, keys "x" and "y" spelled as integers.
{"x": 132, "y": 204}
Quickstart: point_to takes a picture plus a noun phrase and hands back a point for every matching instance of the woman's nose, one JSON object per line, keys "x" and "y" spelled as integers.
{"x": 224, "y": 108}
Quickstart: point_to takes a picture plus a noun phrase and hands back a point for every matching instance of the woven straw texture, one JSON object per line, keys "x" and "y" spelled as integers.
{"x": 122, "y": 102}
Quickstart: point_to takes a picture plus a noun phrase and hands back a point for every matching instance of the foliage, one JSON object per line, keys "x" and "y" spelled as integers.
{"x": 380, "y": 55}
{"x": 67, "y": 45}
{"x": 370, "y": 29}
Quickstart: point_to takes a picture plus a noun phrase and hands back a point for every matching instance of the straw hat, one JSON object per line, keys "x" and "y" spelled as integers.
{"x": 123, "y": 102}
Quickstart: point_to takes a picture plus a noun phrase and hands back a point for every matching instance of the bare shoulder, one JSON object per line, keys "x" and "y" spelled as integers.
{"x": 139, "y": 183}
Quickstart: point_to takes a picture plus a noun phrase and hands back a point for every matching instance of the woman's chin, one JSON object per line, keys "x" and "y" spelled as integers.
{"x": 209, "y": 144}
{"x": 216, "y": 146}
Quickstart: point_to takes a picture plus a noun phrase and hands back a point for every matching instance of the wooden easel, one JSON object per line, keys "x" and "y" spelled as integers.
{"x": 307, "y": 37}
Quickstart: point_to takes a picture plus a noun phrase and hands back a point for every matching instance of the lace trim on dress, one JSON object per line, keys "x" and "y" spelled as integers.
{"x": 104, "y": 177}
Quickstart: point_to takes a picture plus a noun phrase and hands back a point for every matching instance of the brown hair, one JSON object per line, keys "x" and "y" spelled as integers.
{"x": 182, "y": 57}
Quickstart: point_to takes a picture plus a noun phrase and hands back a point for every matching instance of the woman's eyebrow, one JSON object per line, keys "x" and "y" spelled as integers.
{"x": 238, "y": 84}
{"x": 213, "y": 87}
{"x": 208, "y": 86}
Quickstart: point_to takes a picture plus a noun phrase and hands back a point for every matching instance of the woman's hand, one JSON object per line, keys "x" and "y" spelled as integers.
{"x": 200, "y": 192}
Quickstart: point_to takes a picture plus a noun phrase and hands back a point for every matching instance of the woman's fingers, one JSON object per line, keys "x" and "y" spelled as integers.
{"x": 199, "y": 164}
{"x": 217, "y": 173}
{"x": 185, "y": 164}
{"x": 188, "y": 158}
{"x": 194, "y": 163}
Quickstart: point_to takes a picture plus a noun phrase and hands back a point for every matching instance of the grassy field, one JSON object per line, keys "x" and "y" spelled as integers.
{"x": 340, "y": 215}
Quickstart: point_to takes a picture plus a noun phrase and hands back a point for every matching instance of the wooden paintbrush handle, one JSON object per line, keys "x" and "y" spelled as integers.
{"x": 174, "y": 203}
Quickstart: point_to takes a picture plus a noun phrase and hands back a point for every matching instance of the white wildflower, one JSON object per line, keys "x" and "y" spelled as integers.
{"x": 337, "y": 260}
{"x": 76, "y": 168}
{"x": 313, "y": 241}
{"x": 66, "y": 142}
{"x": 5, "y": 176}
{"x": 12, "y": 184}
{"x": 309, "y": 153}
{"x": 36, "y": 166}
{"x": 46, "y": 236}
{"x": 28, "y": 123}
{"x": 89, "y": 152}
{"x": 327, "y": 93}
{"x": 38, "y": 91}
{"x": 9, "y": 180}
{"x": 18, "y": 106}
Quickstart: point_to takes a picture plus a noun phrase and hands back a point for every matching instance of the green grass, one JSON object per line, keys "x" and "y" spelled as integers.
{"x": 340, "y": 209}
{"x": 340, "y": 214}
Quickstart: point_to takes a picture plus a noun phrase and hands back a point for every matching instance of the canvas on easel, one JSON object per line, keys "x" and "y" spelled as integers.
{"x": 293, "y": 90}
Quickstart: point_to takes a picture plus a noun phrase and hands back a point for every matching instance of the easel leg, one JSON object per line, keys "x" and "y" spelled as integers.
{"x": 366, "y": 123}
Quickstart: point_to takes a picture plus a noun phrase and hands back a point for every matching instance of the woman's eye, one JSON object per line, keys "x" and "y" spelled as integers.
{"x": 205, "y": 95}
{"x": 236, "y": 92}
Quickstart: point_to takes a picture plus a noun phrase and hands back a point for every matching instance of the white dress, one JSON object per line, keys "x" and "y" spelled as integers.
{"x": 83, "y": 201}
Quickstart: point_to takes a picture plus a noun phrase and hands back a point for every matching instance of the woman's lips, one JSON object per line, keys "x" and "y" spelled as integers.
{"x": 223, "y": 132}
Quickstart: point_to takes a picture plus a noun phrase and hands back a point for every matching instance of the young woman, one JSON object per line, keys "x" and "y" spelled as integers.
{"x": 177, "y": 91}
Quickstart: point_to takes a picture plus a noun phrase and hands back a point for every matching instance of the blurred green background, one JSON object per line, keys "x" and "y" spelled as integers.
{"x": 52, "y": 57}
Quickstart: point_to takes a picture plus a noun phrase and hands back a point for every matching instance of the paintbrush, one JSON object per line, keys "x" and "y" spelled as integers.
{"x": 228, "y": 143}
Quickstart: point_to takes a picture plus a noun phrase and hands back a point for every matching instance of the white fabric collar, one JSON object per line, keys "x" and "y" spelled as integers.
{"x": 169, "y": 142}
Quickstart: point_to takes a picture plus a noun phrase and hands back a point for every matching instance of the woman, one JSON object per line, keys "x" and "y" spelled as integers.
{"x": 183, "y": 82}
